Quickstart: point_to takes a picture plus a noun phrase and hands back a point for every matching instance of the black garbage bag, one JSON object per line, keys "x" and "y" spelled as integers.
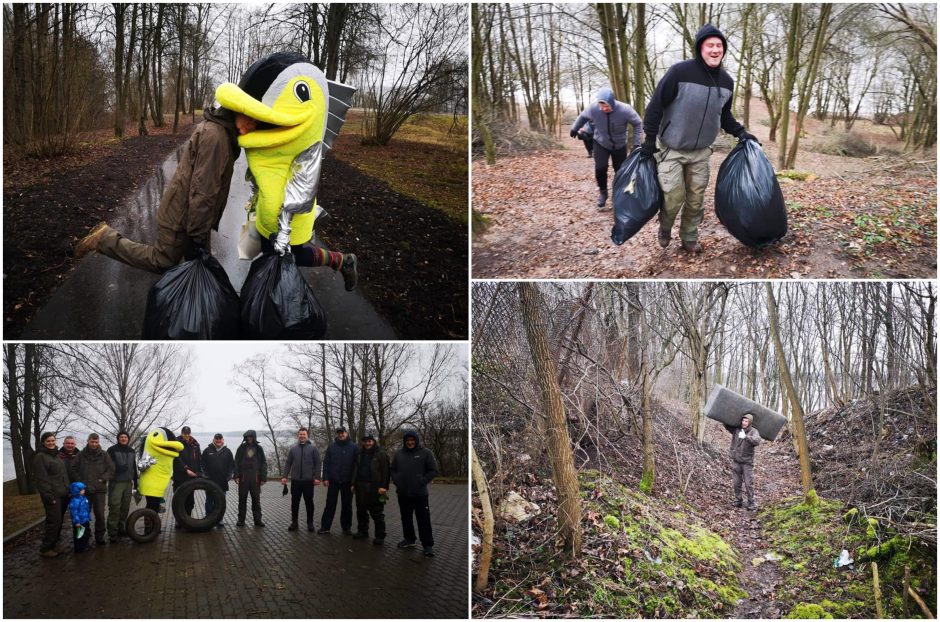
{"x": 277, "y": 303}
{"x": 637, "y": 196}
{"x": 194, "y": 300}
{"x": 748, "y": 199}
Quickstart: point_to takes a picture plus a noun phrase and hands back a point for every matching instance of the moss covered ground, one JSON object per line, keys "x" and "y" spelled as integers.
{"x": 810, "y": 539}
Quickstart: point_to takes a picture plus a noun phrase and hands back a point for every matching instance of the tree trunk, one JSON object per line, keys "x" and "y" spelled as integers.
{"x": 559, "y": 443}
{"x": 486, "y": 555}
{"x": 639, "y": 62}
{"x": 799, "y": 432}
{"x": 789, "y": 76}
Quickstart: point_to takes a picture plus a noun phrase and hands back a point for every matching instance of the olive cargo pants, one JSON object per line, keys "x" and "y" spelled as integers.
{"x": 683, "y": 176}
{"x": 169, "y": 247}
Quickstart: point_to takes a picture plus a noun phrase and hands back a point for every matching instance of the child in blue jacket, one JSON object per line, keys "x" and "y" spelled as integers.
{"x": 80, "y": 512}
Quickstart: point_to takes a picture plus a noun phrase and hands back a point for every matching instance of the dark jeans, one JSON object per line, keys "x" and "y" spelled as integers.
{"x": 588, "y": 143}
{"x": 249, "y": 485}
{"x": 190, "y": 501}
{"x": 422, "y": 513}
{"x": 80, "y": 545}
{"x": 55, "y": 512}
{"x": 98, "y": 500}
{"x": 601, "y": 156}
{"x": 153, "y": 503}
{"x": 210, "y": 500}
{"x": 342, "y": 490}
{"x": 368, "y": 505}
{"x": 301, "y": 488}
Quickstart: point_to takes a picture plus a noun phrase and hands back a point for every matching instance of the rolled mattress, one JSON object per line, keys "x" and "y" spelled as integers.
{"x": 726, "y": 406}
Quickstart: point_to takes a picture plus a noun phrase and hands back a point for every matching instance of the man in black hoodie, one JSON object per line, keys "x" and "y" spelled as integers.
{"x": 251, "y": 472}
{"x": 370, "y": 482}
{"x": 119, "y": 489}
{"x": 413, "y": 468}
{"x": 690, "y": 104}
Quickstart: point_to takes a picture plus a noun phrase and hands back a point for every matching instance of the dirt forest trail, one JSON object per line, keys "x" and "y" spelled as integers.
{"x": 857, "y": 217}
{"x": 776, "y": 476}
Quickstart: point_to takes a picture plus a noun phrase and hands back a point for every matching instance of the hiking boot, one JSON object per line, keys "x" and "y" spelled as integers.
{"x": 323, "y": 530}
{"x": 49, "y": 553}
{"x": 601, "y": 199}
{"x": 665, "y": 236}
{"x": 751, "y": 506}
{"x": 349, "y": 272}
{"x": 378, "y": 541}
{"x": 737, "y": 503}
{"x": 429, "y": 551}
{"x": 259, "y": 523}
{"x": 406, "y": 544}
{"x": 346, "y": 532}
{"x": 310, "y": 527}
{"x": 590, "y": 155}
{"x": 100, "y": 541}
{"x": 293, "y": 526}
{"x": 240, "y": 523}
{"x": 360, "y": 536}
{"x": 691, "y": 246}
{"x": 89, "y": 243}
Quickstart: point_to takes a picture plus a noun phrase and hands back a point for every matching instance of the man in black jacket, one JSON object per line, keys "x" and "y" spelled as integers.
{"x": 251, "y": 472}
{"x": 119, "y": 489}
{"x": 413, "y": 468}
{"x": 218, "y": 465}
{"x": 690, "y": 104}
{"x": 94, "y": 468}
{"x": 186, "y": 466}
{"x": 338, "y": 466}
{"x": 370, "y": 482}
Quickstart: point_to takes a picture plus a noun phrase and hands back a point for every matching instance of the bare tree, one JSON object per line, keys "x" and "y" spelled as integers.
{"x": 254, "y": 379}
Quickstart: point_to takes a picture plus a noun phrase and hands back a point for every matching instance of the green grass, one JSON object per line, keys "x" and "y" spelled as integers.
{"x": 19, "y": 511}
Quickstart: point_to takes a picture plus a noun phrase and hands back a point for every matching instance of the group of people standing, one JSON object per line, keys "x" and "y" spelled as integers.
{"x": 690, "y": 104}
{"x": 83, "y": 481}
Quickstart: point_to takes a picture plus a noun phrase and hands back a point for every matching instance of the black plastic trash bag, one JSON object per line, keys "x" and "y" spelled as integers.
{"x": 277, "y": 303}
{"x": 748, "y": 199}
{"x": 637, "y": 196}
{"x": 194, "y": 300}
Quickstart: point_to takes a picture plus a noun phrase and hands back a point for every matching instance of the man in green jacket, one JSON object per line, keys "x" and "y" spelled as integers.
{"x": 743, "y": 441}
{"x": 192, "y": 204}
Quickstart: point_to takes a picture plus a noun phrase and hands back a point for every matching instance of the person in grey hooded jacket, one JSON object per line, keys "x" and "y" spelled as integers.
{"x": 413, "y": 468}
{"x": 610, "y": 119}
{"x": 303, "y": 468}
{"x": 690, "y": 104}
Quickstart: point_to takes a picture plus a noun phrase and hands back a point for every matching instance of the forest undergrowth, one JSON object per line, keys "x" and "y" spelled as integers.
{"x": 685, "y": 551}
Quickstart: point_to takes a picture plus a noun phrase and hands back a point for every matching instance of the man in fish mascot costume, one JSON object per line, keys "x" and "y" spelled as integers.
{"x": 155, "y": 465}
{"x": 288, "y": 114}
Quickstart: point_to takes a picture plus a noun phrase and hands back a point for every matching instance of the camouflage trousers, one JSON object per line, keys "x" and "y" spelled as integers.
{"x": 683, "y": 176}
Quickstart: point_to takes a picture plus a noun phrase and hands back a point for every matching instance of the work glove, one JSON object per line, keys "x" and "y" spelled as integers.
{"x": 748, "y": 136}
{"x": 741, "y": 434}
{"x": 574, "y": 133}
{"x": 648, "y": 148}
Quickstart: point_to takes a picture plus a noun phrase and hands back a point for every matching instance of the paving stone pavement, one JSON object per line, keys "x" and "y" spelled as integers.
{"x": 251, "y": 572}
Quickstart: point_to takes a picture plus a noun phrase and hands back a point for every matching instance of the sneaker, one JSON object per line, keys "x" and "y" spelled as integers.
{"x": 310, "y": 527}
{"x": 378, "y": 541}
{"x": 293, "y": 527}
{"x": 49, "y": 553}
{"x": 751, "y": 506}
{"x": 691, "y": 247}
{"x": 601, "y": 199}
{"x": 219, "y": 525}
{"x": 429, "y": 551}
{"x": 665, "y": 235}
{"x": 240, "y": 523}
{"x": 406, "y": 544}
{"x": 323, "y": 530}
{"x": 737, "y": 503}
{"x": 259, "y": 523}
{"x": 360, "y": 536}
{"x": 347, "y": 532}
{"x": 89, "y": 243}
{"x": 349, "y": 272}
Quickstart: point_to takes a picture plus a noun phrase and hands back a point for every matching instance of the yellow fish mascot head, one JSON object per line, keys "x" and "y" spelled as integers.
{"x": 300, "y": 112}
{"x": 160, "y": 447}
